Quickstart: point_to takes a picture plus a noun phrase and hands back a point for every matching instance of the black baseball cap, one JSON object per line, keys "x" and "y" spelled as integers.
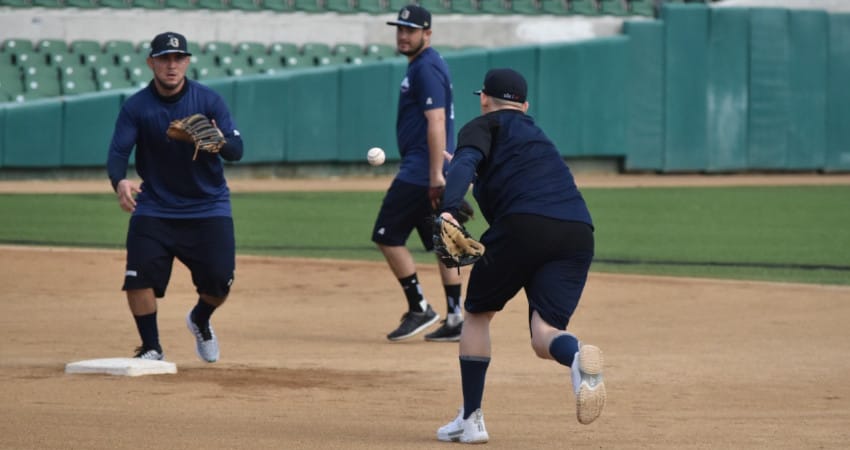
{"x": 169, "y": 42}
{"x": 505, "y": 84}
{"x": 413, "y": 16}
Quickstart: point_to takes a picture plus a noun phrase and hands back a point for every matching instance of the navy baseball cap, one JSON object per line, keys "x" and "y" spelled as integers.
{"x": 505, "y": 84}
{"x": 169, "y": 42}
{"x": 413, "y": 16}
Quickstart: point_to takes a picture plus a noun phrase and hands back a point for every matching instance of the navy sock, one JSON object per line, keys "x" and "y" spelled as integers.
{"x": 452, "y": 298}
{"x": 473, "y": 370}
{"x": 413, "y": 292}
{"x": 148, "y": 331}
{"x": 201, "y": 314}
{"x": 563, "y": 348}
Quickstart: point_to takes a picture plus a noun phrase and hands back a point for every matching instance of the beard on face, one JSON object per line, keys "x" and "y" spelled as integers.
{"x": 414, "y": 50}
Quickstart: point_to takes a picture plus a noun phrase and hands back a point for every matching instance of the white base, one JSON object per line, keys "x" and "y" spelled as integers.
{"x": 131, "y": 367}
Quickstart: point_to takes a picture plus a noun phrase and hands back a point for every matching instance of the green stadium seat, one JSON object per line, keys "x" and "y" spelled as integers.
{"x": 16, "y": 3}
{"x": 246, "y": 5}
{"x": 47, "y": 3}
{"x": 251, "y": 48}
{"x": 614, "y": 8}
{"x": 139, "y": 75}
{"x": 464, "y": 7}
{"x": 214, "y": 5}
{"x": 644, "y": 8}
{"x": 525, "y": 7}
{"x": 132, "y": 60}
{"x": 59, "y": 59}
{"x": 149, "y": 4}
{"x": 555, "y": 7}
{"x": 74, "y": 72}
{"x": 116, "y": 4}
{"x": 42, "y": 85}
{"x": 347, "y": 49}
{"x": 295, "y": 61}
{"x": 395, "y": 6}
{"x": 82, "y": 4}
{"x": 262, "y": 63}
{"x": 144, "y": 47}
{"x": 494, "y": 7}
{"x": 584, "y": 7}
{"x": 380, "y": 51}
{"x": 192, "y": 46}
{"x": 341, "y": 6}
{"x": 209, "y": 73}
{"x": 440, "y": 6}
{"x": 315, "y": 49}
{"x": 13, "y": 45}
{"x": 329, "y": 60}
{"x": 372, "y": 6}
{"x": 180, "y": 4}
{"x": 308, "y": 6}
{"x": 77, "y": 85}
{"x": 51, "y": 45}
{"x": 279, "y": 5}
{"x": 11, "y": 80}
{"x": 218, "y": 48}
{"x": 85, "y": 47}
{"x": 119, "y": 47}
{"x": 283, "y": 48}
{"x": 201, "y": 59}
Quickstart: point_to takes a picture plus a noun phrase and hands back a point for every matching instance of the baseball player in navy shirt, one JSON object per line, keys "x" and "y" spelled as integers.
{"x": 540, "y": 239}
{"x": 425, "y": 131}
{"x": 182, "y": 207}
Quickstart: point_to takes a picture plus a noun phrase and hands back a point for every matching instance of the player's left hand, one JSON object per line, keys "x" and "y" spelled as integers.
{"x": 435, "y": 196}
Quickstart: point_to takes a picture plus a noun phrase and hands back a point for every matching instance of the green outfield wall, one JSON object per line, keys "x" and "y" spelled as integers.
{"x": 700, "y": 89}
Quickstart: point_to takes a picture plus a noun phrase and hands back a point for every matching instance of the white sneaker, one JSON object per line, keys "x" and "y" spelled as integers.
{"x": 206, "y": 344}
{"x": 588, "y": 384}
{"x": 469, "y": 431}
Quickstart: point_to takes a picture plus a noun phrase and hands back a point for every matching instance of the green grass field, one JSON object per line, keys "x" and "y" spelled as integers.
{"x": 789, "y": 233}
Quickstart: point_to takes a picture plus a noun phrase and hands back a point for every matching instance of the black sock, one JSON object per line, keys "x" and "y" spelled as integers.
{"x": 563, "y": 348}
{"x": 413, "y": 292}
{"x": 148, "y": 331}
{"x": 452, "y": 298}
{"x": 201, "y": 314}
{"x": 473, "y": 370}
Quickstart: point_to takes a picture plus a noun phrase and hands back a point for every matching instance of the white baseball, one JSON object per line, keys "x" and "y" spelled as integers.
{"x": 376, "y": 156}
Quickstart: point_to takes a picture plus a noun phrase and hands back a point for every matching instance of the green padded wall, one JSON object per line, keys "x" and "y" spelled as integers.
{"x": 226, "y": 87}
{"x": 727, "y": 93}
{"x": 686, "y": 68}
{"x": 467, "y": 68}
{"x": 87, "y": 126}
{"x": 261, "y": 114}
{"x": 559, "y": 77}
{"x": 2, "y": 131}
{"x": 809, "y": 32}
{"x": 645, "y": 80}
{"x": 32, "y": 134}
{"x": 838, "y": 103}
{"x": 770, "y": 90}
{"x": 367, "y": 111}
{"x": 313, "y": 128}
{"x": 523, "y": 59}
{"x": 603, "y": 93}
{"x": 398, "y": 68}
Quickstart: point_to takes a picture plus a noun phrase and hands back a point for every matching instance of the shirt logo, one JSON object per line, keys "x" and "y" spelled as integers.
{"x": 430, "y": 101}
{"x": 405, "y": 85}
{"x": 381, "y": 231}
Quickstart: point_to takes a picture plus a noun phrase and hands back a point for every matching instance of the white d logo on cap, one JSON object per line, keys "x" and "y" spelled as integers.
{"x": 174, "y": 42}
{"x": 405, "y": 13}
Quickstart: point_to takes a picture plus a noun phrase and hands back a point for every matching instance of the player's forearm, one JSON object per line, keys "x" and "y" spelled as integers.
{"x": 460, "y": 175}
{"x": 436, "y": 147}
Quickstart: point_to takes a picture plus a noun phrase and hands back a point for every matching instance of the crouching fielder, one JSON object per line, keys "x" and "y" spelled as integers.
{"x": 540, "y": 238}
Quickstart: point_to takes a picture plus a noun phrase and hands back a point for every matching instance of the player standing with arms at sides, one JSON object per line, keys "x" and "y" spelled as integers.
{"x": 425, "y": 132}
{"x": 540, "y": 238}
{"x": 182, "y": 208}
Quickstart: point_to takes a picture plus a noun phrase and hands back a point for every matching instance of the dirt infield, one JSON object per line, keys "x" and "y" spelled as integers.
{"x": 691, "y": 363}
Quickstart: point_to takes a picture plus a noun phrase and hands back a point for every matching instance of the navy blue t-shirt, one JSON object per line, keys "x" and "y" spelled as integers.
{"x": 517, "y": 170}
{"x": 426, "y": 85}
{"x": 173, "y": 185}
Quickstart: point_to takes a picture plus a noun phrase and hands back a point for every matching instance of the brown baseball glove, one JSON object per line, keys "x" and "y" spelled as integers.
{"x": 453, "y": 244}
{"x": 198, "y": 130}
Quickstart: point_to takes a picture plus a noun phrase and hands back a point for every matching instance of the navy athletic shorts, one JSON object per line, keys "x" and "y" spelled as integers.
{"x": 405, "y": 207}
{"x": 549, "y": 258}
{"x": 206, "y": 246}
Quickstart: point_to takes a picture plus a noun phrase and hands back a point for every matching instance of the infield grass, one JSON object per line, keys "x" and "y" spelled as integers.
{"x": 789, "y": 233}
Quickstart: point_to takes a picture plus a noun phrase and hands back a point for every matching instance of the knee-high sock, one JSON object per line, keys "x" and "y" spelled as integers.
{"x": 473, "y": 370}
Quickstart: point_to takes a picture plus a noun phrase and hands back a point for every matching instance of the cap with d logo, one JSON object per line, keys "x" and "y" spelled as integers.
{"x": 413, "y": 16}
{"x": 168, "y": 42}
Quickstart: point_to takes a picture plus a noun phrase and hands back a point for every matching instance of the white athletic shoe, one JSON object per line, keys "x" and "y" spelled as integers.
{"x": 206, "y": 344}
{"x": 588, "y": 384}
{"x": 469, "y": 431}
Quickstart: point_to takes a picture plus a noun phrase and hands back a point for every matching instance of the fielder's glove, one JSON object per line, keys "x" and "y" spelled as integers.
{"x": 198, "y": 130}
{"x": 453, "y": 244}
